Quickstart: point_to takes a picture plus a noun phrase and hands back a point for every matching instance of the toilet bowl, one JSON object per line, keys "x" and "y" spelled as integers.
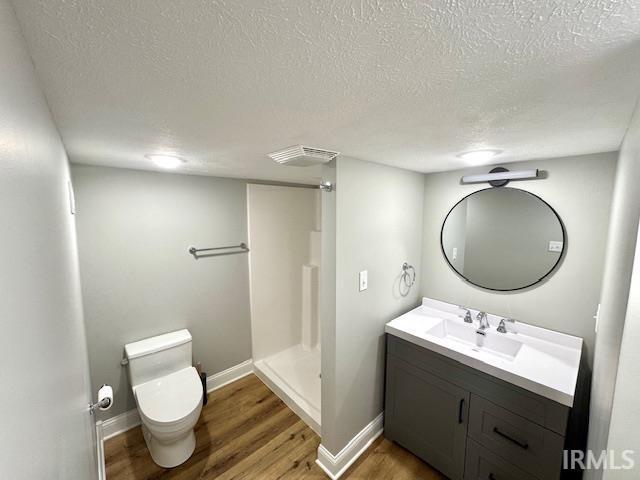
{"x": 168, "y": 393}
{"x": 169, "y": 409}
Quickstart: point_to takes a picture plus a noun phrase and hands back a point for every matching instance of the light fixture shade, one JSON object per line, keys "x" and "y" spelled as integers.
{"x": 509, "y": 175}
{"x": 478, "y": 157}
{"x": 165, "y": 161}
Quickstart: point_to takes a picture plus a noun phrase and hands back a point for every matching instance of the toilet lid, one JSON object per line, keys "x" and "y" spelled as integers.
{"x": 170, "y": 398}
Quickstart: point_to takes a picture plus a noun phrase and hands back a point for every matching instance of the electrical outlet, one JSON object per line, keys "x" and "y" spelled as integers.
{"x": 364, "y": 281}
{"x": 555, "y": 246}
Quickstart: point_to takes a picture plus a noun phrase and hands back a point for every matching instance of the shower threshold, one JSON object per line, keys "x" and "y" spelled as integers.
{"x": 294, "y": 376}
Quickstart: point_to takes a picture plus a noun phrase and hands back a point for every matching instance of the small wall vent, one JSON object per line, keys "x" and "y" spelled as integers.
{"x": 301, "y": 156}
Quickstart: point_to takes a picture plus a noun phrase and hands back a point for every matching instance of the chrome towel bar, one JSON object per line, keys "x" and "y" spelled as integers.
{"x": 195, "y": 251}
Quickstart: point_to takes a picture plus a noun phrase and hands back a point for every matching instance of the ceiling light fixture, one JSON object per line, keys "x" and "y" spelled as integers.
{"x": 165, "y": 161}
{"x": 478, "y": 156}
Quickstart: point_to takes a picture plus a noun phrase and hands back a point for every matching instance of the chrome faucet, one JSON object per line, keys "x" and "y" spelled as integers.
{"x": 467, "y": 315}
{"x": 484, "y": 323}
{"x": 502, "y": 328}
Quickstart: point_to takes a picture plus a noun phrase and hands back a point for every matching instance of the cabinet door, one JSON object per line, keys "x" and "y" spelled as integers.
{"x": 427, "y": 415}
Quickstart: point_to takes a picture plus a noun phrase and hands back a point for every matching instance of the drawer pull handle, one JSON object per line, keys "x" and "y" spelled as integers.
{"x": 512, "y": 440}
{"x": 460, "y": 420}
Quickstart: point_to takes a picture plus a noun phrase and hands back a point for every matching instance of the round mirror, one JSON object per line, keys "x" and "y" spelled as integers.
{"x": 502, "y": 238}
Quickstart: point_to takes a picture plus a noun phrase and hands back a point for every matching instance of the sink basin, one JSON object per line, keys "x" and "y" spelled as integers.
{"x": 454, "y": 330}
{"x": 466, "y": 334}
{"x": 539, "y": 360}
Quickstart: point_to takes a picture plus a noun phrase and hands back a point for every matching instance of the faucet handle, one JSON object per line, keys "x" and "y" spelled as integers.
{"x": 467, "y": 315}
{"x": 502, "y": 328}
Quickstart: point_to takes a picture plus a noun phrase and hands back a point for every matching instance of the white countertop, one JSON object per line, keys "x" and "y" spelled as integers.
{"x": 546, "y": 362}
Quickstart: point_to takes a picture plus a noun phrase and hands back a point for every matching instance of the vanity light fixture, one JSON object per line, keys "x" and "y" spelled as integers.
{"x": 498, "y": 177}
{"x": 165, "y": 161}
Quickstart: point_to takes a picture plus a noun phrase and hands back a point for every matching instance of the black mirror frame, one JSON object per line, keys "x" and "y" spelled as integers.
{"x": 551, "y": 270}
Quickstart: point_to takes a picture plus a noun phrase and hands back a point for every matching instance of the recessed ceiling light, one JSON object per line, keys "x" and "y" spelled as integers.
{"x": 165, "y": 161}
{"x": 479, "y": 156}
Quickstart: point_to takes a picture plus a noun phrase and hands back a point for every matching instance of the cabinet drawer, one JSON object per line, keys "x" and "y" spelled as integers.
{"x": 527, "y": 445}
{"x": 483, "y": 464}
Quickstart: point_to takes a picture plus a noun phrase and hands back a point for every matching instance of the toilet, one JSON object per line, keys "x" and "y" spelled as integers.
{"x": 168, "y": 393}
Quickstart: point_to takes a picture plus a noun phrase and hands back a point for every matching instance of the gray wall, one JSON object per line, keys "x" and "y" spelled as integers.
{"x": 46, "y": 431}
{"x": 138, "y": 279}
{"x": 378, "y": 226}
{"x": 327, "y": 307}
{"x": 625, "y": 415}
{"x": 454, "y": 236}
{"x": 580, "y": 190}
{"x": 621, "y": 247}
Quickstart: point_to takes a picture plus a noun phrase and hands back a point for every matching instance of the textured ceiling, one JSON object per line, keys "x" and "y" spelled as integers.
{"x": 405, "y": 83}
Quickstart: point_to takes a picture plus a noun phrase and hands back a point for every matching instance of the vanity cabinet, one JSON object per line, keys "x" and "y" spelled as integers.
{"x": 470, "y": 425}
{"x": 428, "y": 414}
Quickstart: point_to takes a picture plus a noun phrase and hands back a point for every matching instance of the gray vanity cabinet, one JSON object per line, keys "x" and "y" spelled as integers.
{"x": 428, "y": 414}
{"x": 470, "y": 425}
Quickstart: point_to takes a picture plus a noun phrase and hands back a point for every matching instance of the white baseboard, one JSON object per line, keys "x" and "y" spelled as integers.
{"x": 229, "y": 375}
{"x": 126, "y": 421}
{"x": 102, "y": 467}
{"x": 335, "y": 465}
{"x": 120, "y": 423}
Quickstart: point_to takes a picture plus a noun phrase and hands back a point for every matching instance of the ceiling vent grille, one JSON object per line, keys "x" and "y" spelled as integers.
{"x": 301, "y": 156}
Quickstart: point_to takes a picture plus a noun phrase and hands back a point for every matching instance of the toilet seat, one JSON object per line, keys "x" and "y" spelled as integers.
{"x": 170, "y": 399}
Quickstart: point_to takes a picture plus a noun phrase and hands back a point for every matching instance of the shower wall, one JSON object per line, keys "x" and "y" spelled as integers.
{"x": 284, "y": 224}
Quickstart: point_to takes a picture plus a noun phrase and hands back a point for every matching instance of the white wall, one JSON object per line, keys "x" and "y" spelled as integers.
{"x": 46, "y": 431}
{"x": 580, "y": 190}
{"x": 138, "y": 279}
{"x": 378, "y": 227}
{"x": 621, "y": 249}
{"x": 281, "y": 220}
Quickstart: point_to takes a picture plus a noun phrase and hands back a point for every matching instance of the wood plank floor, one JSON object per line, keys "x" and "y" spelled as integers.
{"x": 246, "y": 432}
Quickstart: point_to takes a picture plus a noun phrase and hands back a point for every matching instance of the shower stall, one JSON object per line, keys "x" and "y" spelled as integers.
{"x": 284, "y": 262}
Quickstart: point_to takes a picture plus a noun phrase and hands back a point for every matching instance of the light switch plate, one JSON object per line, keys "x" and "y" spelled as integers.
{"x": 364, "y": 281}
{"x": 72, "y": 198}
{"x": 555, "y": 246}
{"x": 455, "y": 253}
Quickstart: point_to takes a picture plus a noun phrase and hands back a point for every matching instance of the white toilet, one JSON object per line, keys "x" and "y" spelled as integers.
{"x": 168, "y": 392}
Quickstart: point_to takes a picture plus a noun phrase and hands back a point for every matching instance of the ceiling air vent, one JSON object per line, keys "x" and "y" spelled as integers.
{"x": 301, "y": 156}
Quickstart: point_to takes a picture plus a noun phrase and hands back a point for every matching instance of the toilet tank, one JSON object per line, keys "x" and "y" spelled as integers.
{"x": 158, "y": 356}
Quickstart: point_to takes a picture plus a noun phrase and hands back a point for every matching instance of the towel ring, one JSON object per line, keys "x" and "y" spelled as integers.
{"x": 409, "y": 279}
